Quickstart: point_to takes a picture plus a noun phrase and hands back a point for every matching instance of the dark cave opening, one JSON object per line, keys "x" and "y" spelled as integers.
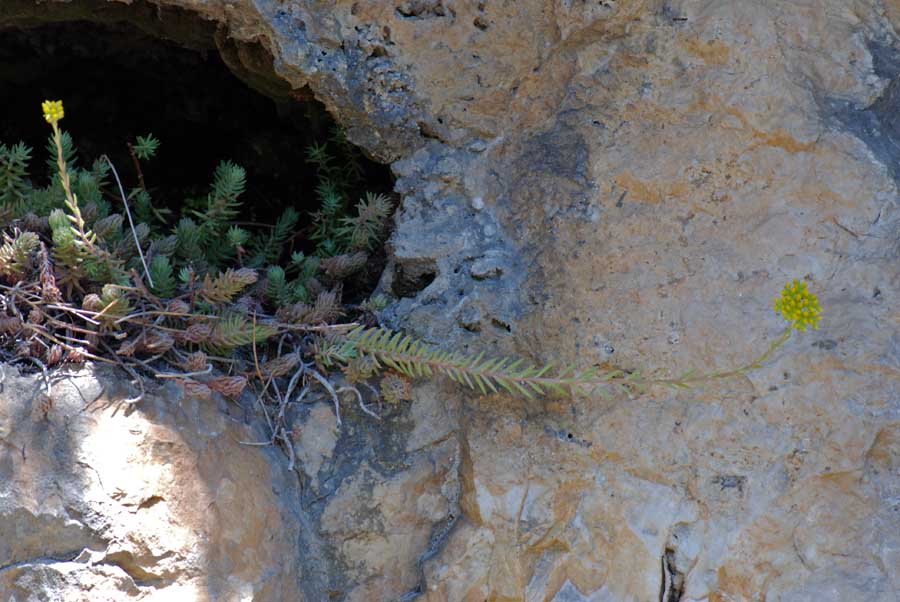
{"x": 190, "y": 88}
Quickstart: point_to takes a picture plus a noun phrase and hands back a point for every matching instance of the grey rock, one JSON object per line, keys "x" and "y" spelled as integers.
{"x": 631, "y": 158}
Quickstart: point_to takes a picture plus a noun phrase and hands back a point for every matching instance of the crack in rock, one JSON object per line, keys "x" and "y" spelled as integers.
{"x": 45, "y": 560}
{"x": 671, "y": 587}
{"x": 440, "y": 533}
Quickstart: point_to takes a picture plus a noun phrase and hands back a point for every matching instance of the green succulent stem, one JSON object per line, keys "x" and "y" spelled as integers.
{"x": 416, "y": 359}
{"x": 71, "y": 199}
{"x": 753, "y": 365}
{"x": 220, "y": 286}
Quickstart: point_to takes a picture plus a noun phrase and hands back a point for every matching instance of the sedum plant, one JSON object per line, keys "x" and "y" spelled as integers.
{"x": 216, "y": 306}
{"x": 382, "y": 349}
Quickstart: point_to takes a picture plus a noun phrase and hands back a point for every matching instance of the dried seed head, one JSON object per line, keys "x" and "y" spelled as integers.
{"x": 92, "y": 302}
{"x": 196, "y": 333}
{"x": 49, "y": 292}
{"x": 55, "y": 355}
{"x": 75, "y": 355}
{"x": 341, "y": 266}
{"x": 359, "y": 369}
{"x": 229, "y": 386}
{"x": 177, "y": 306}
{"x": 395, "y": 388}
{"x": 196, "y": 362}
{"x": 30, "y": 348}
{"x": 156, "y": 341}
{"x": 293, "y": 314}
{"x": 280, "y": 366}
{"x": 10, "y": 325}
{"x": 327, "y": 307}
{"x": 32, "y": 222}
{"x": 192, "y": 388}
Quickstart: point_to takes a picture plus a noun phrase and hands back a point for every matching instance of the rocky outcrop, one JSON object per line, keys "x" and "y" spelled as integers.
{"x": 591, "y": 182}
{"x": 104, "y": 500}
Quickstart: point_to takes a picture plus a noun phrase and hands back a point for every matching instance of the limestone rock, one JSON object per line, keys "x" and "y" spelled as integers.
{"x": 649, "y": 173}
{"x": 100, "y": 500}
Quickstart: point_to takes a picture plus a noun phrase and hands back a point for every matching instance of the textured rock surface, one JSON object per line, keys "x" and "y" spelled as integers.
{"x": 627, "y": 182}
{"x": 100, "y": 500}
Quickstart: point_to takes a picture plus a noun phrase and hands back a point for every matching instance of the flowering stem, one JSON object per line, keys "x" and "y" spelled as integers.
{"x": 64, "y": 174}
{"x": 415, "y": 359}
{"x": 687, "y": 379}
{"x": 71, "y": 199}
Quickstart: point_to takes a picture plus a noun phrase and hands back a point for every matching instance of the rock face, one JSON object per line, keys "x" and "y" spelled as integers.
{"x": 100, "y": 500}
{"x": 624, "y": 182}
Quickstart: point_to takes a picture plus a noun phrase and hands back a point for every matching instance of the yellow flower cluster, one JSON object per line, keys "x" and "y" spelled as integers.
{"x": 53, "y": 110}
{"x": 799, "y": 306}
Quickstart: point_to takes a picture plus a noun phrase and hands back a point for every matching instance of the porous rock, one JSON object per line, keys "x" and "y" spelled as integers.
{"x": 104, "y": 500}
{"x": 650, "y": 173}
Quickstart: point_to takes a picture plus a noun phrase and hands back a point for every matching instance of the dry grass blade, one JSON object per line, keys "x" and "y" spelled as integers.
{"x": 137, "y": 240}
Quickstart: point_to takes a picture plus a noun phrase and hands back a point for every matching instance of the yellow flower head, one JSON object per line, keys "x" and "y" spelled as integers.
{"x": 53, "y": 110}
{"x": 799, "y": 306}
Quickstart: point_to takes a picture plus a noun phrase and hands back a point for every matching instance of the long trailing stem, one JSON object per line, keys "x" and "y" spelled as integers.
{"x": 689, "y": 378}
{"x": 416, "y": 359}
{"x": 217, "y": 320}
